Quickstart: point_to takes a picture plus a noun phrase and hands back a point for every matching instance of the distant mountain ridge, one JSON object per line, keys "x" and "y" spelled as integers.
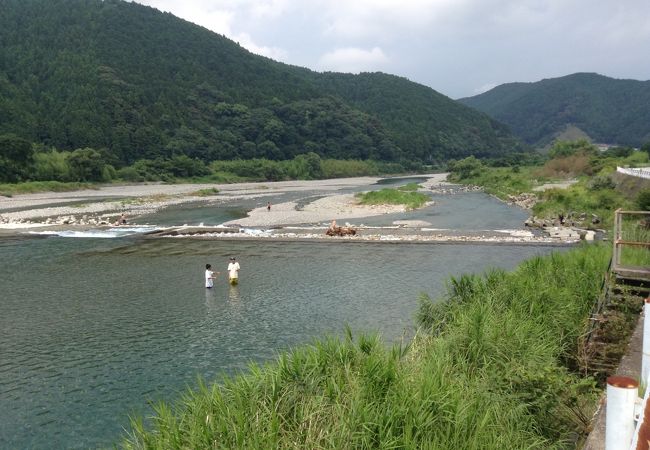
{"x": 608, "y": 110}
{"x": 145, "y": 84}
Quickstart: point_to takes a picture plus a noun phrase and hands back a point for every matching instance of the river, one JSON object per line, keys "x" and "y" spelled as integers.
{"x": 92, "y": 330}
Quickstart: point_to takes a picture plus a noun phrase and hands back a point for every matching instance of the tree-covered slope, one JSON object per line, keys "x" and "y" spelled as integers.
{"x": 609, "y": 110}
{"x": 145, "y": 84}
{"x": 421, "y": 119}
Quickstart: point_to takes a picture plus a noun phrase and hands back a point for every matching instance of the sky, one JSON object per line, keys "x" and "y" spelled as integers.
{"x": 460, "y": 48}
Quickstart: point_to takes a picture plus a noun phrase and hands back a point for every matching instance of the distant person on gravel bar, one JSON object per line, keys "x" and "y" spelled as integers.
{"x": 121, "y": 220}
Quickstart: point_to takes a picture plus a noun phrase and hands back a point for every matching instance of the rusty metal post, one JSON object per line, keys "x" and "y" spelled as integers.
{"x": 619, "y": 423}
{"x": 645, "y": 359}
{"x": 617, "y": 236}
{"x": 641, "y": 440}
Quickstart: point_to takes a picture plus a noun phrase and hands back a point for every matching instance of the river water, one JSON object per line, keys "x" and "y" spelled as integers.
{"x": 92, "y": 329}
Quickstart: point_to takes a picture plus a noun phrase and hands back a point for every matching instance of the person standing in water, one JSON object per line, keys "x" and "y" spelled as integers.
{"x": 210, "y": 276}
{"x": 268, "y": 206}
{"x": 233, "y": 271}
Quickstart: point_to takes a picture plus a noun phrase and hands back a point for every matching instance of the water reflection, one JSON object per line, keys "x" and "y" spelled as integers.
{"x": 234, "y": 297}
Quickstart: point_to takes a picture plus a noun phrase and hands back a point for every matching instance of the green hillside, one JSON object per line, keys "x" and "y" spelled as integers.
{"x": 421, "y": 119}
{"x": 608, "y": 110}
{"x": 144, "y": 84}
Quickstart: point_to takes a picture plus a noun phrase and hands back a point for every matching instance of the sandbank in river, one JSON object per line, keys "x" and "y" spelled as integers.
{"x": 87, "y": 209}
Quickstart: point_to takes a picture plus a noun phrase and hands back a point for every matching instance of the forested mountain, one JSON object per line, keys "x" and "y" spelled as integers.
{"x": 145, "y": 84}
{"x": 419, "y": 118}
{"x": 608, "y": 110}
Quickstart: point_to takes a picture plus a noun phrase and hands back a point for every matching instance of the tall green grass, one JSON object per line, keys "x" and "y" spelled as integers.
{"x": 501, "y": 181}
{"x": 405, "y": 195}
{"x": 490, "y": 368}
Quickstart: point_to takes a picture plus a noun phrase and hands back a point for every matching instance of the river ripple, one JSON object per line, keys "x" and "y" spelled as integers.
{"x": 93, "y": 329}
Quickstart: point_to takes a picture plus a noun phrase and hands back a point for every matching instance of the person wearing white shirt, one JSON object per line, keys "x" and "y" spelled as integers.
{"x": 233, "y": 271}
{"x": 210, "y": 276}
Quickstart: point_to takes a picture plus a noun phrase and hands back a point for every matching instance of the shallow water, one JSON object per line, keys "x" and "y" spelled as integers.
{"x": 92, "y": 329}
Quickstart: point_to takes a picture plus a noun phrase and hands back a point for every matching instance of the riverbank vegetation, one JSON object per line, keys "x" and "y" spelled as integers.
{"x": 38, "y": 163}
{"x": 595, "y": 191}
{"x": 492, "y": 366}
{"x": 406, "y": 195}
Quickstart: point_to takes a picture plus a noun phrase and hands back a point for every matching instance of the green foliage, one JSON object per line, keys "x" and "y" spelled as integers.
{"x": 87, "y": 164}
{"x": 16, "y": 156}
{"x": 154, "y": 170}
{"x": 578, "y": 198}
{"x": 646, "y": 147}
{"x": 422, "y": 120}
{"x": 601, "y": 182}
{"x": 597, "y": 195}
{"x": 129, "y": 173}
{"x": 606, "y": 109}
{"x": 465, "y": 169}
{"x": 498, "y": 181}
{"x": 306, "y": 167}
{"x": 619, "y": 152}
{"x": 570, "y": 148}
{"x": 516, "y": 159}
{"x": 145, "y": 85}
{"x": 643, "y": 200}
{"x": 408, "y": 198}
{"x": 252, "y": 169}
{"x": 334, "y": 168}
{"x": 183, "y": 166}
{"x": 52, "y": 165}
{"x": 637, "y": 159}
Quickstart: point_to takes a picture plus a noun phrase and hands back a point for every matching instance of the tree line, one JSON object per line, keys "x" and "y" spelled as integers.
{"x": 22, "y": 161}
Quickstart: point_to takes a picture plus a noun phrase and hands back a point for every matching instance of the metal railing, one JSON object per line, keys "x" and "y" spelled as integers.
{"x": 621, "y": 241}
{"x": 627, "y": 424}
{"x": 640, "y": 172}
{"x": 627, "y": 421}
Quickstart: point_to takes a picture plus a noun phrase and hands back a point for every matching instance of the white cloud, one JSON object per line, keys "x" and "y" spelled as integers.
{"x": 353, "y": 60}
{"x": 383, "y": 19}
{"x": 208, "y": 14}
{"x": 246, "y": 41}
{"x": 269, "y": 9}
{"x": 221, "y": 17}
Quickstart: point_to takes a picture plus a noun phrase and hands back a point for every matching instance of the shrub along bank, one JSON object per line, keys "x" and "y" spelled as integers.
{"x": 490, "y": 368}
{"x": 57, "y": 170}
{"x": 597, "y": 192}
{"x": 404, "y": 195}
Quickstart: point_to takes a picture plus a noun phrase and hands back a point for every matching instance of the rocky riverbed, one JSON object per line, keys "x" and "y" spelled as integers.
{"x": 103, "y": 207}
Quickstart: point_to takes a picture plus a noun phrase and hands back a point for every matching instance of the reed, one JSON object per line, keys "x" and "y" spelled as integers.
{"x": 488, "y": 369}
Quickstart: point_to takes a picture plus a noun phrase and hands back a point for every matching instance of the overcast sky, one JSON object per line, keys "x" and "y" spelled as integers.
{"x": 458, "y": 47}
